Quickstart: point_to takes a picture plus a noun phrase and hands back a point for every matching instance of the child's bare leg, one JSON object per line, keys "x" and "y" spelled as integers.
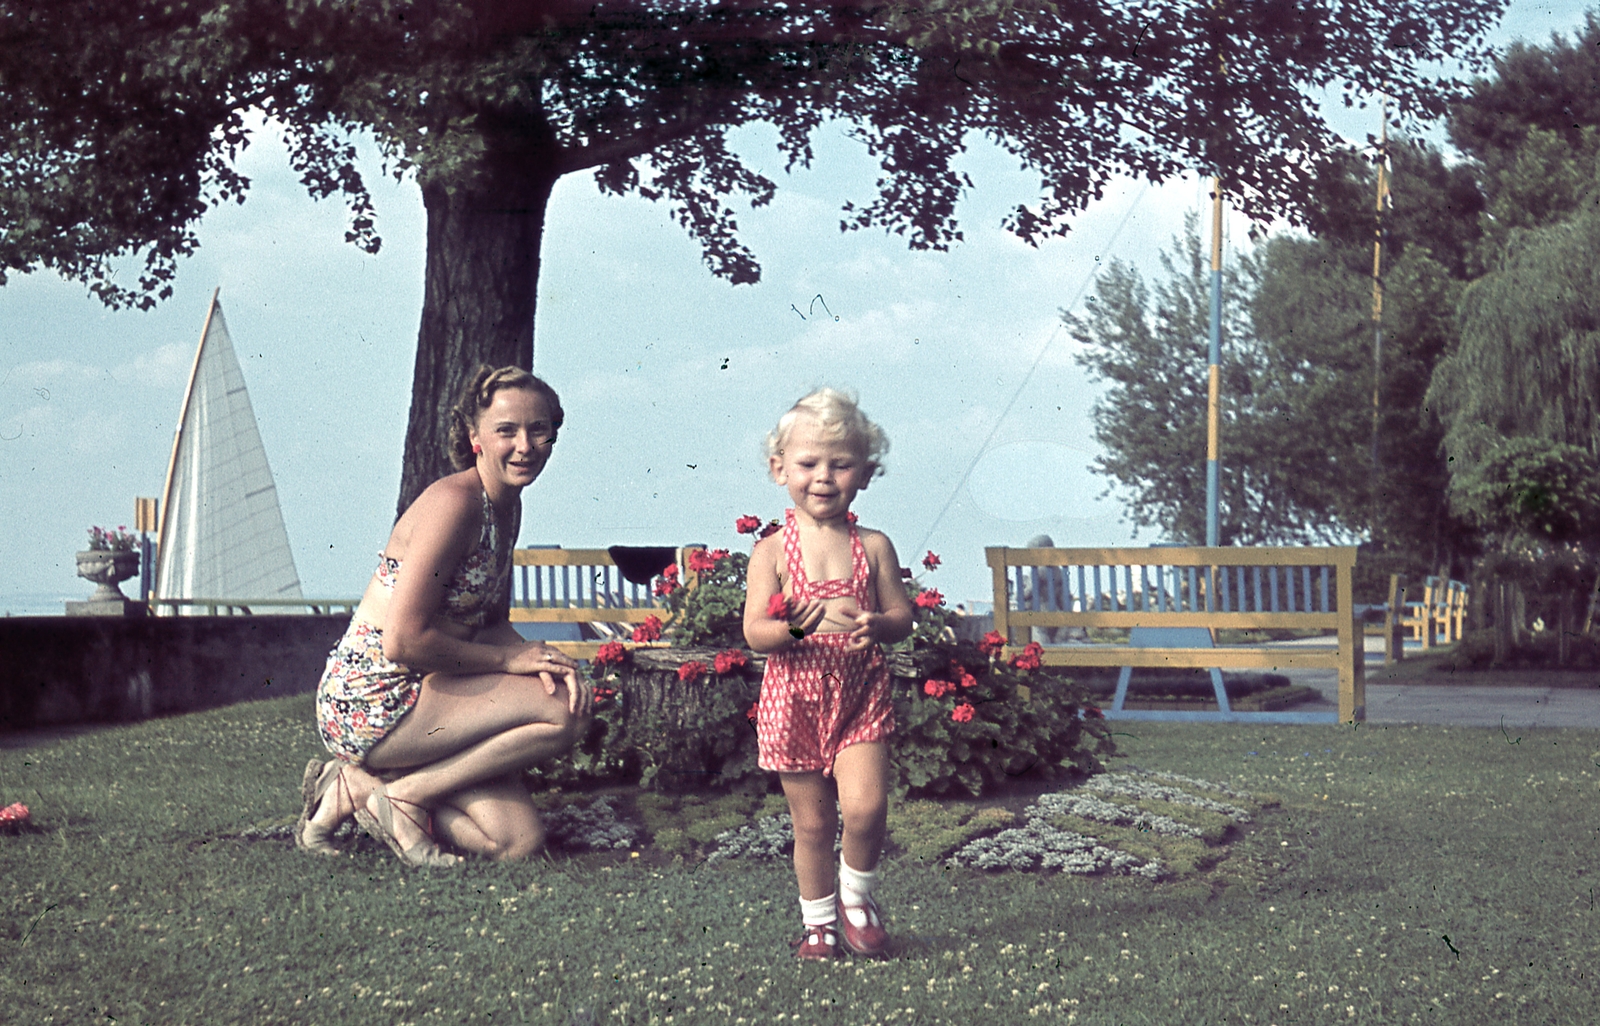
{"x": 862, "y": 773}
{"x": 816, "y": 824}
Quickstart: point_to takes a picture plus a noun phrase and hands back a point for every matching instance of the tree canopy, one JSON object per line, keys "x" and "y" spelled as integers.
{"x": 119, "y": 123}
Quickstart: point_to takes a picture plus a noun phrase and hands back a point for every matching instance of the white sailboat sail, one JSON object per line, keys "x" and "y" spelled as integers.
{"x": 222, "y": 533}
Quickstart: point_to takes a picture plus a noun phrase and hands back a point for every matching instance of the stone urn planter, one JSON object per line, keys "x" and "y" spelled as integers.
{"x": 108, "y": 568}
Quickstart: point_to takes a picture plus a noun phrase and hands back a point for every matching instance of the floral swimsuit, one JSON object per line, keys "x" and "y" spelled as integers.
{"x": 818, "y": 699}
{"x": 363, "y": 693}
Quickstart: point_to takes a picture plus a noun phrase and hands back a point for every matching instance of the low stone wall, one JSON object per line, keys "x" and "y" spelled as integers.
{"x": 80, "y": 669}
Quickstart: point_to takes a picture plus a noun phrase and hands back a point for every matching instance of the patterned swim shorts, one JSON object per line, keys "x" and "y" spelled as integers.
{"x": 817, "y": 700}
{"x": 363, "y": 693}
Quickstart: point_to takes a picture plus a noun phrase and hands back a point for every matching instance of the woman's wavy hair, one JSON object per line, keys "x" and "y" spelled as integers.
{"x": 476, "y": 397}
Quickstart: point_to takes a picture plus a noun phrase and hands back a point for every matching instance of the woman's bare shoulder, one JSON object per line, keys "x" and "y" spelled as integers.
{"x": 451, "y": 505}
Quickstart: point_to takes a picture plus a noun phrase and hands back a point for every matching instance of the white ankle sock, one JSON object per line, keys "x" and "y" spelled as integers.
{"x": 855, "y": 887}
{"x": 819, "y": 911}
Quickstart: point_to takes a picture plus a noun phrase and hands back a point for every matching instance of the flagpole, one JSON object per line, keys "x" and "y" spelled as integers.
{"x": 1377, "y": 286}
{"x": 1214, "y": 376}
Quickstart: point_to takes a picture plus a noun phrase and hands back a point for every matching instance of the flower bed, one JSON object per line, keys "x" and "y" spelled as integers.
{"x": 682, "y": 717}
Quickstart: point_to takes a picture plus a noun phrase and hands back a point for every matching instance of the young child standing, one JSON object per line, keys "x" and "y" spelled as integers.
{"x": 822, "y": 595}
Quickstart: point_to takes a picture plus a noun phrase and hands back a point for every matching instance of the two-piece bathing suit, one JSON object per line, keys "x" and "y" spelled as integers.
{"x": 818, "y": 699}
{"x": 364, "y": 693}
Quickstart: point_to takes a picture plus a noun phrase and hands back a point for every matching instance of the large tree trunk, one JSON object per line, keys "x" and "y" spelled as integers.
{"x": 480, "y": 289}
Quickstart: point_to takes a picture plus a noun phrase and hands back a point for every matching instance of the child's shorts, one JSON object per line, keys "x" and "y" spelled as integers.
{"x": 817, "y": 700}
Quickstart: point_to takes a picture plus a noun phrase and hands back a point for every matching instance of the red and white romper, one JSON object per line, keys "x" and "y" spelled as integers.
{"x": 816, "y": 698}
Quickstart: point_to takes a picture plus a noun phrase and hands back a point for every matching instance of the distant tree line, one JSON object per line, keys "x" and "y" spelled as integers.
{"x": 1488, "y": 433}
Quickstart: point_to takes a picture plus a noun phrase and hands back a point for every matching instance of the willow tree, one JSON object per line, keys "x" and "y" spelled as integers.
{"x": 119, "y": 122}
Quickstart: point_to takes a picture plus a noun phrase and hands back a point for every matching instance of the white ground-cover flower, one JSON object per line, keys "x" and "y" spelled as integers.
{"x": 767, "y": 838}
{"x": 595, "y": 828}
{"x": 1133, "y": 787}
{"x": 1101, "y": 811}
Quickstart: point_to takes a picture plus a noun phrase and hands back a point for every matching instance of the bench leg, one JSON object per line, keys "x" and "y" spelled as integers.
{"x": 1222, "y": 692}
{"x": 1122, "y": 688}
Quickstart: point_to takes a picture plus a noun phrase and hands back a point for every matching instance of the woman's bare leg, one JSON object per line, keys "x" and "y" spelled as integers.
{"x": 816, "y": 824}
{"x": 467, "y": 730}
{"x": 862, "y": 772}
{"x": 347, "y": 794}
{"x": 497, "y": 820}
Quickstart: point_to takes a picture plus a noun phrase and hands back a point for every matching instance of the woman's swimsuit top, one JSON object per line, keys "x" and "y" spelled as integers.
{"x": 854, "y": 586}
{"x": 479, "y": 584}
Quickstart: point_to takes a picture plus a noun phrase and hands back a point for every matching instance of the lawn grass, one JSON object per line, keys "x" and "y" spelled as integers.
{"x": 1408, "y": 874}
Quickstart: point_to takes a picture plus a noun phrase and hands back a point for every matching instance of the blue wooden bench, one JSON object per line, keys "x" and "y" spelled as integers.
{"x": 1202, "y": 589}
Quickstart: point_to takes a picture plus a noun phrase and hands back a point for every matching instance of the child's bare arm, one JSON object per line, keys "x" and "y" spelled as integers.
{"x": 762, "y": 631}
{"x": 894, "y": 619}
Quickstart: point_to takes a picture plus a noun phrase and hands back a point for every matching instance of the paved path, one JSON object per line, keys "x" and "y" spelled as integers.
{"x": 1458, "y": 705}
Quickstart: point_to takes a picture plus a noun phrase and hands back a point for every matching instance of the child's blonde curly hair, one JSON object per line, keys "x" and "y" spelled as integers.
{"x": 840, "y": 418}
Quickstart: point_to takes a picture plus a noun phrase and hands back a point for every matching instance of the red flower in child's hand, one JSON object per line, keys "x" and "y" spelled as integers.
{"x": 778, "y": 607}
{"x": 931, "y": 561}
{"x": 1028, "y": 658}
{"x": 773, "y": 527}
{"x": 650, "y": 630}
{"x": 930, "y": 599}
{"x": 691, "y": 670}
{"x": 751, "y": 715}
{"x": 747, "y": 524}
{"x": 730, "y": 660}
{"x": 992, "y": 643}
{"x": 938, "y": 688}
{"x": 962, "y": 713}
{"x": 610, "y": 653}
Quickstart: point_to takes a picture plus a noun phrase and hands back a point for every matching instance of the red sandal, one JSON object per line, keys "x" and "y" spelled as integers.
{"x": 425, "y": 852}
{"x": 819, "y": 943}
{"x": 870, "y": 938}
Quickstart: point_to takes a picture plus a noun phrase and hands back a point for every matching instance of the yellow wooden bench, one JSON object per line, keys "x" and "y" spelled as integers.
{"x": 585, "y": 586}
{"x": 1210, "y": 588}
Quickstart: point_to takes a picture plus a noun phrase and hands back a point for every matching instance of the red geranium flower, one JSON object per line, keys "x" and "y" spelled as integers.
{"x": 938, "y": 688}
{"x": 611, "y": 652}
{"x": 667, "y": 583}
{"x": 1028, "y": 658}
{"x": 603, "y": 696}
{"x": 931, "y": 561}
{"x": 727, "y": 662}
{"x": 702, "y": 562}
{"x": 691, "y": 670}
{"x": 773, "y": 527}
{"x": 961, "y": 675}
{"x": 962, "y": 713}
{"x": 930, "y": 599}
{"x": 1094, "y": 712}
{"x": 992, "y": 643}
{"x": 747, "y": 524}
{"x": 650, "y": 630}
{"x": 778, "y": 607}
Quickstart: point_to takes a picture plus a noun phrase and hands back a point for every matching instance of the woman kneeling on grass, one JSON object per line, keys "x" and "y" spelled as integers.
{"x": 431, "y": 687}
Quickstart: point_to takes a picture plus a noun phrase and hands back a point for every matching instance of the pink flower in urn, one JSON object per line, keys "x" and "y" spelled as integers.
{"x": 962, "y": 713}
{"x": 730, "y": 660}
{"x": 611, "y": 653}
{"x": 692, "y": 670}
{"x": 992, "y": 643}
{"x": 938, "y": 688}
{"x": 650, "y": 630}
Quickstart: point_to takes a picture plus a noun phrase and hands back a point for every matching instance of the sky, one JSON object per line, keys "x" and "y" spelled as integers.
{"x": 670, "y": 377}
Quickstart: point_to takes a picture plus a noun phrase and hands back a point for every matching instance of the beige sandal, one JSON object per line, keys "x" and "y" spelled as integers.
{"x": 315, "y": 783}
{"x": 425, "y": 852}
